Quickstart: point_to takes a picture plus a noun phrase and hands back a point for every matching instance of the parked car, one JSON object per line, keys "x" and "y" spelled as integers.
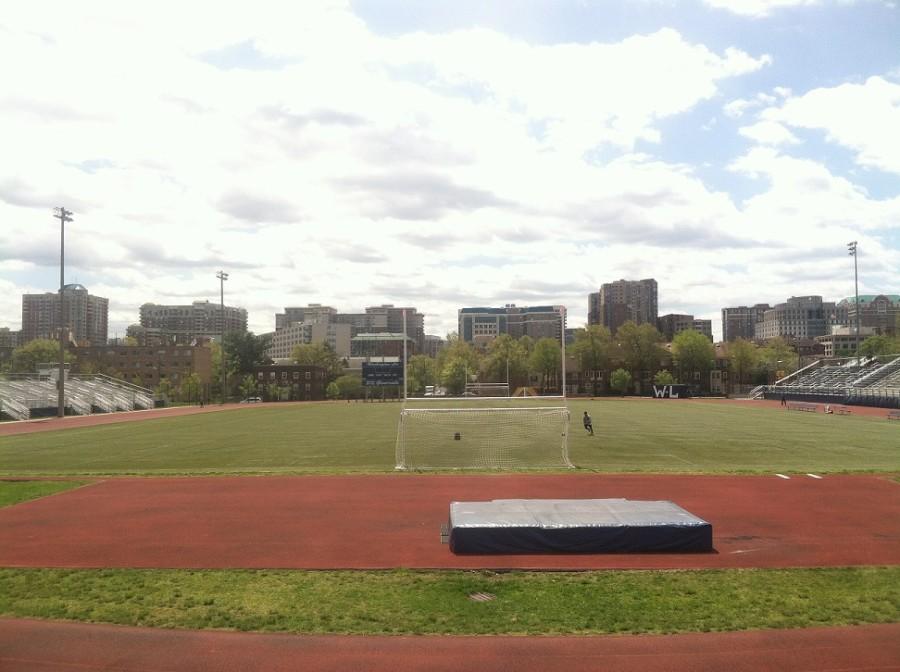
{"x": 251, "y": 400}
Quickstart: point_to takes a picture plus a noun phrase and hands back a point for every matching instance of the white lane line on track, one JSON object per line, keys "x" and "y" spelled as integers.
{"x": 814, "y": 476}
{"x": 787, "y": 478}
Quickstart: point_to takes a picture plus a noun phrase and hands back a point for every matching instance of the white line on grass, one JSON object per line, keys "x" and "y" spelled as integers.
{"x": 675, "y": 457}
{"x": 787, "y": 478}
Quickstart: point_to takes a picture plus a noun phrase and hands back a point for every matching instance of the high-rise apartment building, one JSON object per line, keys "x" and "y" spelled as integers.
{"x": 740, "y": 321}
{"x": 624, "y": 300}
{"x": 86, "y": 316}
{"x": 201, "y": 319}
{"x": 482, "y": 325}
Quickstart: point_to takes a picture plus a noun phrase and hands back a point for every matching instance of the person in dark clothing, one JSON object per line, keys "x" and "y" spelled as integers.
{"x": 588, "y": 425}
{"x": 783, "y": 399}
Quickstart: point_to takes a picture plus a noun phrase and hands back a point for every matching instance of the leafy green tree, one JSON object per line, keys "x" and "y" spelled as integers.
{"x": 776, "y": 356}
{"x": 248, "y": 386}
{"x": 349, "y": 386}
{"x": 620, "y": 381}
{"x": 457, "y": 363}
{"x": 319, "y": 354}
{"x": 244, "y": 350}
{"x": 421, "y": 371}
{"x": 693, "y": 353}
{"x": 164, "y": 389}
{"x": 664, "y": 377}
{"x": 545, "y": 361}
{"x": 877, "y": 345}
{"x": 593, "y": 350}
{"x": 640, "y": 348}
{"x": 26, "y": 357}
{"x": 506, "y": 355}
{"x": 190, "y": 388}
{"x": 454, "y": 374}
{"x": 742, "y": 356}
{"x": 332, "y": 391}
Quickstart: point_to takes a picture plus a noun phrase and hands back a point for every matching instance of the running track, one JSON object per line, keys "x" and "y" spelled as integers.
{"x": 38, "y": 646}
{"x": 388, "y": 521}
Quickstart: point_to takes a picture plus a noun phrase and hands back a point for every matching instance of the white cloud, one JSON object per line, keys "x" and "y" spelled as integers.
{"x": 769, "y": 133}
{"x": 757, "y": 8}
{"x": 355, "y": 169}
{"x": 862, "y": 117}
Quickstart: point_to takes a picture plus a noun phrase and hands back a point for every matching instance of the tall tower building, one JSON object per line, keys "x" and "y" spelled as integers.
{"x": 624, "y": 300}
{"x": 86, "y": 316}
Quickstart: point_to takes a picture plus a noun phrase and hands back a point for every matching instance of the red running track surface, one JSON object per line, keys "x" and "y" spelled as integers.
{"x": 363, "y": 522}
{"x": 42, "y": 646}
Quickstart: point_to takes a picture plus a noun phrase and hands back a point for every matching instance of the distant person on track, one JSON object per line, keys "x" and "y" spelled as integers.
{"x": 588, "y": 424}
{"x": 783, "y": 399}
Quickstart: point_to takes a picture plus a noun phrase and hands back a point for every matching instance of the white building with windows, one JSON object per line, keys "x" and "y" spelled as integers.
{"x": 304, "y": 333}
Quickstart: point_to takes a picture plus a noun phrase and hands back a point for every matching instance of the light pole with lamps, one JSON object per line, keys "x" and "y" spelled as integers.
{"x": 851, "y": 247}
{"x": 63, "y": 216}
{"x": 222, "y": 276}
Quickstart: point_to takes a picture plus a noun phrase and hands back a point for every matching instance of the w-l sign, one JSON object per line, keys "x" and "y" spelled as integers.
{"x": 671, "y": 391}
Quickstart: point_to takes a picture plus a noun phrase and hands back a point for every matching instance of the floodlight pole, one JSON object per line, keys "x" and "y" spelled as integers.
{"x": 222, "y": 276}
{"x": 852, "y": 248}
{"x": 63, "y": 216}
{"x": 404, "y": 354}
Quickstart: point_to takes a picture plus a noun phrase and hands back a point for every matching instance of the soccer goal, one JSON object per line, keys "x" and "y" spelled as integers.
{"x": 487, "y": 390}
{"x": 530, "y": 437}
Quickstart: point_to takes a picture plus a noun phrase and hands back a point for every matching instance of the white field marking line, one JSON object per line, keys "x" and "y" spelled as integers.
{"x": 787, "y": 478}
{"x": 693, "y": 464}
{"x": 814, "y": 476}
{"x": 748, "y": 550}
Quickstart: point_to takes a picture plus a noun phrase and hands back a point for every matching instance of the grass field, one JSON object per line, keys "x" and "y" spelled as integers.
{"x": 428, "y": 602}
{"x": 631, "y": 435}
{"x": 14, "y": 492}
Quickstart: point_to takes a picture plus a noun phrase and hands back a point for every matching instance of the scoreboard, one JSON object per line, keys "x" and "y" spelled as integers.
{"x": 377, "y": 374}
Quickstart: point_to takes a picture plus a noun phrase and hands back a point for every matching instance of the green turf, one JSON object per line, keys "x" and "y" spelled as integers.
{"x": 14, "y": 492}
{"x": 631, "y": 435}
{"x": 428, "y": 602}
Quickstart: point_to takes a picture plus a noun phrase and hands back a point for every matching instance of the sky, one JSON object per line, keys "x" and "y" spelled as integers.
{"x": 449, "y": 154}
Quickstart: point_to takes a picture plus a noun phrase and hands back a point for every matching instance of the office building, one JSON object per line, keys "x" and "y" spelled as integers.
{"x": 480, "y": 326}
{"x": 741, "y": 321}
{"x": 880, "y": 312}
{"x": 798, "y": 317}
{"x": 284, "y": 340}
{"x": 673, "y": 323}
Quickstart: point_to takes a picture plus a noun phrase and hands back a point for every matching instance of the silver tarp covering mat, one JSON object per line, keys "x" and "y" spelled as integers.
{"x": 576, "y": 526}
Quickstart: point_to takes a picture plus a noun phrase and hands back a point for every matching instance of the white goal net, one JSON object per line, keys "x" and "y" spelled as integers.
{"x": 534, "y": 437}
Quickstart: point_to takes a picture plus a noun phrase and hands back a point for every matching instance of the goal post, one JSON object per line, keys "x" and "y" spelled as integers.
{"x": 501, "y": 438}
{"x": 487, "y": 390}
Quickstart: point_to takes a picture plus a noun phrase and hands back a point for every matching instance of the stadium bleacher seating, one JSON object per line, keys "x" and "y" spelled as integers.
{"x": 867, "y": 381}
{"x": 23, "y": 395}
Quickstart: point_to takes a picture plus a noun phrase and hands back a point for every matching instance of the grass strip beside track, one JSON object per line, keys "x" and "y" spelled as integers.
{"x": 429, "y": 602}
{"x": 631, "y": 436}
{"x": 14, "y": 492}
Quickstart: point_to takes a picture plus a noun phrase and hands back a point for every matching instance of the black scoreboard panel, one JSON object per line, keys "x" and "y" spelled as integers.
{"x": 375, "y": 374}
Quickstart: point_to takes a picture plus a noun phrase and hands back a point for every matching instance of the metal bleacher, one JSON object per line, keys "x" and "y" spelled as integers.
{"x": 871, "y": 381}
{"x": 23, "y": 396}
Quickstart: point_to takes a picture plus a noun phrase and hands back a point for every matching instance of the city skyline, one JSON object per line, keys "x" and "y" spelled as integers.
{"x": 363, "y": 153}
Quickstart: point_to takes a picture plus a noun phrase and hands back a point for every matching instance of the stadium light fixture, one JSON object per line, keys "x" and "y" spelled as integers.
{"x": 63, "y": 216}
{"x": 851, "y": 247}
{"x": 222, "y": 276}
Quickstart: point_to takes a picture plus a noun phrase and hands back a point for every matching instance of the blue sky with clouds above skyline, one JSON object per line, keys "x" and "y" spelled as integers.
{"x": 450, "y": 154}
